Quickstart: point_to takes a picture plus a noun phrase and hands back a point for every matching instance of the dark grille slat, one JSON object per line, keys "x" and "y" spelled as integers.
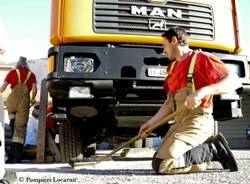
{"x": 113, "y": 26}
{"x": 118, "y": 7}
{"x": 108, "y": 13}
{"x": 105, "y": 21}
{"x": 114, "y": 16}
{"x": 121, "y": 27}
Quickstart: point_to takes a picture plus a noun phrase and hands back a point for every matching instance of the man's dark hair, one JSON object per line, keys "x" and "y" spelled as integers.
{"x": 180, "y": 34}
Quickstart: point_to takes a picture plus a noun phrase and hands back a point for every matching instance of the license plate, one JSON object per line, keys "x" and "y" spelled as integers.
{"x": 156, "y": 72}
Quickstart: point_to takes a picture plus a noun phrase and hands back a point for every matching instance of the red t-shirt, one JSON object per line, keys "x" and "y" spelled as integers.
{"x": 12, "y": 78}
{"x": 208, "y": 70}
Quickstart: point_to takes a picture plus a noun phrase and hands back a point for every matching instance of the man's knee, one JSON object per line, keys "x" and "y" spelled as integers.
{"x": 163, "y": 166}
{"x": 167, "y": 166}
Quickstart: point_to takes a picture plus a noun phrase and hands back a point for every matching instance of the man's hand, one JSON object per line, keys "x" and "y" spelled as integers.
{"x": 142, "y": 131}
{"x": 192, "y": 101}
{"x": 3, "y": 86}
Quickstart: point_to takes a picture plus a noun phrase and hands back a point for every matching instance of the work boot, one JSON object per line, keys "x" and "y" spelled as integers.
{"x": 15, "y": 153}
{"x": 215, "y": 150}
{"x": 222, "y": 153}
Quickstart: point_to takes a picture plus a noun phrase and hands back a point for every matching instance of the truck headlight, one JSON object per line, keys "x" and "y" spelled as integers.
{"x": 78, "y": 64}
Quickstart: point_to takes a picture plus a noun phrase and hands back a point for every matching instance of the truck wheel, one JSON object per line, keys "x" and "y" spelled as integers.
{"x": 70, "y": 141}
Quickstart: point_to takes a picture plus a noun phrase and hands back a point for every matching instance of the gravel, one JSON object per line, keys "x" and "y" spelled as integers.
{"x": 128, "y": 172}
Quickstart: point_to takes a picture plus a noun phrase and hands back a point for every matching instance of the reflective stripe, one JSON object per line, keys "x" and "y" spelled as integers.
{"x": 19, "y": 76}
{"x": 12, "y": 116}
{"x": 171, "y": 68}
{"x": 49, "y": 114}
{"x": 17, "y": 139}
{"x": 27, "y": 77}
{"x": 191, "y": 72}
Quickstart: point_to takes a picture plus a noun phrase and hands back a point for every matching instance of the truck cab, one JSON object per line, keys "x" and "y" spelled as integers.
{"x": 106, "y": 67}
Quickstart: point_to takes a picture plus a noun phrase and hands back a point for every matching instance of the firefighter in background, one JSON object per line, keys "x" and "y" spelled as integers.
{"x": 22, "y": 81}
{"x": 193, "y": 78}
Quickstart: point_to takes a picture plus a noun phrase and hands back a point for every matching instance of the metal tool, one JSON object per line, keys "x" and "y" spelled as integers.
{"x": 79, "y": 165}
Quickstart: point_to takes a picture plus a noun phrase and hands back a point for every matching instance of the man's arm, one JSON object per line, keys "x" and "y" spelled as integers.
{"x": 162, "y": 113}
{"x": 33, "y": 93}
{"x": 3, "y": 86}
{"x": 228, "y": 84}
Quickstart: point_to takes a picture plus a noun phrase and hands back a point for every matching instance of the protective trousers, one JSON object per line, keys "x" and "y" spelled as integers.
{"x": 17, "y": 105}
{"x": 191, "y": 129}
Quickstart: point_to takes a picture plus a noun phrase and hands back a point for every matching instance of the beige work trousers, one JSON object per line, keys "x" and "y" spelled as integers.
{"x": 17, "y": 105}
{"x": 191, "y": 128}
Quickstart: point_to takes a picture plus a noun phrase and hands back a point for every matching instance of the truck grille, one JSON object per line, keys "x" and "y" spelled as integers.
{"x": 139, "y": 17}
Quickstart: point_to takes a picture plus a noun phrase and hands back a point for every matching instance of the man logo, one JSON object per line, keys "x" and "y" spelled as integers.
{"x": 158, "y": 1}
{"x": 156, "y": 24}
{"x": 155, "y": 12}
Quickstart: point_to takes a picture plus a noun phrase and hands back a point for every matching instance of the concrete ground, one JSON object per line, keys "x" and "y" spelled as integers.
{"x": 128, "y": 172}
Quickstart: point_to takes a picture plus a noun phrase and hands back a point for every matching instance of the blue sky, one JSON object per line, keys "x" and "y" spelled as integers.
{"x": 27, "y": 24}
{"x": 244, "y": 21}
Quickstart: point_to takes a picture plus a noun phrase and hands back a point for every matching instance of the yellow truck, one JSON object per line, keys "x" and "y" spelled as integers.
{"x": 106, "y": 66}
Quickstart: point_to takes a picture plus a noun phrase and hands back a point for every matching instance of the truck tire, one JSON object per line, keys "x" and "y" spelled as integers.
{"x": 70, "y": 141}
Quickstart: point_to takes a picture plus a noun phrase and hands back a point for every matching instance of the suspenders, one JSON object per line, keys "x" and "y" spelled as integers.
{"x": 171, "y": 68}
{"x": 19, "y": 76}
{"x": 190, "y": 79}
